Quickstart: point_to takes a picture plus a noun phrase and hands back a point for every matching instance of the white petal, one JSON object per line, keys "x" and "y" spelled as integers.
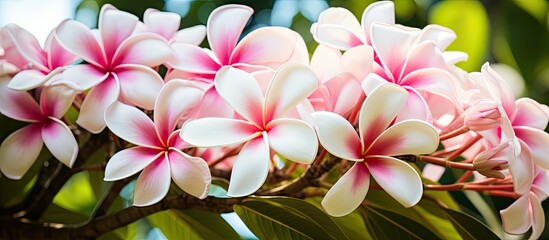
{"x": 325, "y": 62}
{"x": 79, "y": 40}
{"x": 397, "y": 178}
{"x": 193, "y": 35}
{"x": 85, "y": 76}
{"x": 528, "y": 113}
{"x": 337, "y": 136}
{"x": 291, "y": 84}
{"x": 144, "y": 49}
{"x": 59, "y": 140}
{"x": 56, "y": 100}
{"x": 242, "y": 92}
{"x": 348, "y": 192}
{"x": 224, "y": 27}
{"x": 358, "y": 61}
{"x": 175, "y": 98}
{"x": 293, "y": 139}
{"x": 27, "y": 79}
{"x": 19, "y": 151}
{"x": 392, "y": 45}
{"x": 378, "y": 111}
{"x": 516, "y": 218}
{"x": 115, "y": 27}
{"x": 537, "y": 142}
{"x": 130, "y": 161}
{"x": 336, "y": 36}
{"x": 139, "y": 85}
{"x": 250, "y": 168}
{"x": 382, "y": 12}
{"x": 19, "y": 105}
{"x": 27, "y": 45}
{"x": 522, "y": 169}
{"x": 132, "y": 125}
{"x": 193, "y": 59}
{"x": 153, "y": 183}
{"x": 440, "y": 35}
{"x": 216, "y": 132}
{"x": 93, "y": 107}
{"x": 162, "y": 23}
{"x": 538, "y": 217}
{"x": 190, "y": 173}
{"x": 406, "y": 137}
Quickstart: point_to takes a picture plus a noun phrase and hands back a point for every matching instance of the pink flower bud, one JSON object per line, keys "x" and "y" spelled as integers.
{"x": 490, "y": 162}
{"x": 483, "y": 115}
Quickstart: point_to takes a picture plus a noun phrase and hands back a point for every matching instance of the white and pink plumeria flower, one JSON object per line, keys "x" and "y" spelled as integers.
{"x": 46, "y": 63}
{"x": 158, "y": 151}
{"x": 118, "y": 64}
{"x": 378, "y": 139}
{"x": 21, "y": 148}
{"x": 527, "y": 211}
{"x": 263, "y": 125}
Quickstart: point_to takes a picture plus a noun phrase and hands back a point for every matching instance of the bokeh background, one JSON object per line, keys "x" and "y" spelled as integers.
{"x": 513, "y": 34}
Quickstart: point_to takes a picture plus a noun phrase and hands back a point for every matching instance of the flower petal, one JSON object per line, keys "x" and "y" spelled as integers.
{"x": 59, "y": 140}
{"x": 516, "y": 218}
{"x": 358, "y": 61}
{"x": 56, "y": 100}
{"x": 115, "y": 27}
{"x": 293, "y": 139}
{"x": 345, "y": 92}
{"x": 325, "y": 62}
{"x": 78, "y": 39}
{"x": 193, "y": 59}
{"x": 397, "y": 178}
{"x": 240, "y": 90}
{"x": 131, "y": 124}
{"x": 383, "y": 12}
{"x": 433, "y": 80}
{"x": 144, "y": 49}
{"x": 528, "y": 113}
{"x": 212, "y": 105}
{"x": 416, "y": 107}
{"x": 538, "y": 217}
{"x": 216, "y": 132}
{"x": 85, "y": 76}
{"x": 153, "y": 183}
{"x": 191, "y": 174}
{"x": 406, "y": 137}
{"x": 522, "y": 169}
{"x": 193, "y": 35}
{"x": 378, "y": 111}
{"x": 57, "y": 55}
{"x": 93, "y": 107}
{"x": 270, "y": 47}
{"x": 250, "y": 168}
{"x": 336, "y": 36}
{"x": 27, "y": 45}
{"x": 139, "y": 85}
{"x": 19, "y": 151}
{"x": 27, "y": 79}
{"x": 18, "y": 105}
{"x": 423, "y": 55}
{"x": 337, "y": 136}
{"x": 391, "y": 45}
{"x": 291, "y": 84}
{"x": 130, "y": 161}
{"x": 224, "y": 27}
{"x": 175, "y": 98}
{"x": 348, "y": 192}
{"x": 537, "y": 142}
{"x": 440, "y": 35}
{"x": 163, "y": 23}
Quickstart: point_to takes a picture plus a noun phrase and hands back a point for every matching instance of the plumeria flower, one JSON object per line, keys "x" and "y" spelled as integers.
{"x": 415, "y": 63}
{"x": 263, "y": 126}
{"x": 21, "y": 148}
{"x": 10, "y": 58}
{"x": 118, "y": 64}
{"x": 166, "y": 24}
{"x": 372, "y": 150}
{"x": 158, "y": 147}
{"x": 338, "y": 27}
{"x": 46, "y": 62}
{"x": 527, "y": 211}
{"x": 260, "y": 50}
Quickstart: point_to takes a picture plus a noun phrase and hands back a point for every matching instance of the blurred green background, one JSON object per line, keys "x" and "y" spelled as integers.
{"x": 514, "y": 33}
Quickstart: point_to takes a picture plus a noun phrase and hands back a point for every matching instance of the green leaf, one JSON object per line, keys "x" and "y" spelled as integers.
{"x": 77, "y": 194}
{"x": 471, "y": 25}
{"x": 192, "y": 225}
{"x": 469, "y": 227}
{"x": 383, "y": 224}
{"x": 209, "y": 225}
{"x": 287, "y": 218}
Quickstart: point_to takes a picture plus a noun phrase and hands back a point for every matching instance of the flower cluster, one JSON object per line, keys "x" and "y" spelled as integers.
{"x": 373, "y": 93}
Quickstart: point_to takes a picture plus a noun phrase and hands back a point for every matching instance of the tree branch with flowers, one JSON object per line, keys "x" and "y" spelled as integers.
{"x": 341, "y": 145}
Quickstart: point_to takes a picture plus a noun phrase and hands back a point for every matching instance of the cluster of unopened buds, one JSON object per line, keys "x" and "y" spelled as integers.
{"x": 376, "y": 95}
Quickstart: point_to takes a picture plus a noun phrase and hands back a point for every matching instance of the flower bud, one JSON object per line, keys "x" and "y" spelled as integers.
{"x": 483, "y": 115}
{"x": 490, "y": 162}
